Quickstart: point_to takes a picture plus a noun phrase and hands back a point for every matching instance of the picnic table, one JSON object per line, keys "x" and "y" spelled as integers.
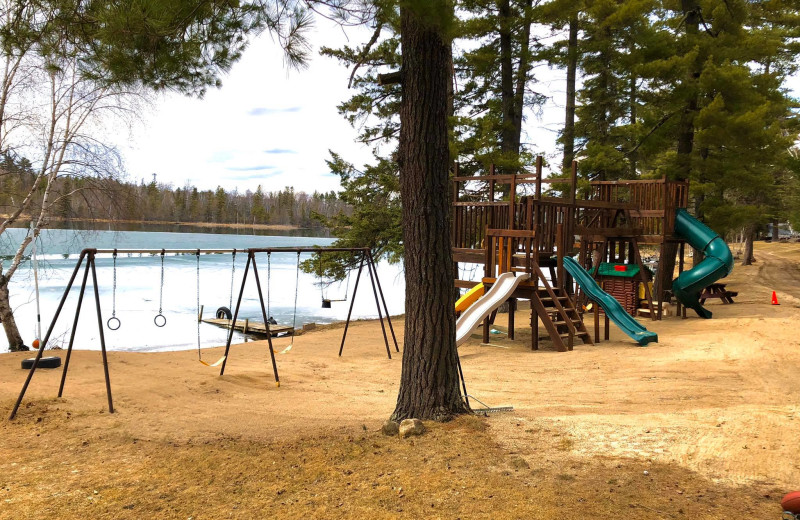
{"x": 717, "y": 290}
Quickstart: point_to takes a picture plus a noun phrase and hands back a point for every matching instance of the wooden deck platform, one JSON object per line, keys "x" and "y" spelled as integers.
{"x": 252, "y": 327}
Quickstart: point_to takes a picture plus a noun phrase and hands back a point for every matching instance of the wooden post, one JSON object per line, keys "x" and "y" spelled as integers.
{"x": 560, "y": 255}
{"x": 512, "y": 201}
{"x": 246, "y": 325}
{"x": 491, "y": 183}
{"x": 596, "y": 309}
{"x": 573, "y": 182}
{"x": 512, "y": 307}
{"x": 538, "y": 177}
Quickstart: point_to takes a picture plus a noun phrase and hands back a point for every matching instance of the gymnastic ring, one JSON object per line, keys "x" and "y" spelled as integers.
{"x": 162, "y": 321}
{"x": 112, "y": 322}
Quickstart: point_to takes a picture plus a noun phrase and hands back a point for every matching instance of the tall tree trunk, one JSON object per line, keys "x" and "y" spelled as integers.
{"x": 691, "y": 11}
{"x": 776, "y": 235}
{"x": 569, "y": 121}
{"x": 749, "y": 235}
{"x": 429, "y": 384}
{"x": 7, "y": 318}
{"x": 522, "y": 76}
{"x": 633, "y": 157}
{"x": 506, "y": 84}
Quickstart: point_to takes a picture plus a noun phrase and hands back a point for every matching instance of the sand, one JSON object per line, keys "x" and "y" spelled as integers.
{"x": 717, "y": 399}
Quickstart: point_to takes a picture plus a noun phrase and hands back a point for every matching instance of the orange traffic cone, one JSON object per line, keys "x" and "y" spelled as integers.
{"x": 774, "y": 299}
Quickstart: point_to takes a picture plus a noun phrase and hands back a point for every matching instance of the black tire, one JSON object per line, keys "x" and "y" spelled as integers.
{"x": 223, "y": 313}
{"x": 45, "y": 362}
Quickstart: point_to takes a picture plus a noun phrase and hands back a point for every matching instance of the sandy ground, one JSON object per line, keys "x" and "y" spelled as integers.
{"x": 715, "y": 398}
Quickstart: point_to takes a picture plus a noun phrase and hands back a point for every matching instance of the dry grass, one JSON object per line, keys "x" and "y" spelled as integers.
{"x": 456, "y": 470}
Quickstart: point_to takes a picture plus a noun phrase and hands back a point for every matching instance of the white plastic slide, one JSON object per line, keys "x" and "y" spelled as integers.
{"x": 502, "y": 289}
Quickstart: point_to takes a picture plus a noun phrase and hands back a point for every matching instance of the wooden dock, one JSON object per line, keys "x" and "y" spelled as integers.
{"x": 250, "y": 327}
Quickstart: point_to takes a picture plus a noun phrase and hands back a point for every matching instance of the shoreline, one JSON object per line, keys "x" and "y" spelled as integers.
{"x": 224, "y": 225}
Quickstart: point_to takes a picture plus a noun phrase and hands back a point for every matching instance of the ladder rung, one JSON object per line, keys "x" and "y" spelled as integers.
{"x": 577, "y": 333}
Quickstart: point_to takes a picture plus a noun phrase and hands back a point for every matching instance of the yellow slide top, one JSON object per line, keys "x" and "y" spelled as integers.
{"x": 469, "y": 298}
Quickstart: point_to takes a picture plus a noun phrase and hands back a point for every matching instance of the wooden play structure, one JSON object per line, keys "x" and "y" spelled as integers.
{"x": 508, "y": 224}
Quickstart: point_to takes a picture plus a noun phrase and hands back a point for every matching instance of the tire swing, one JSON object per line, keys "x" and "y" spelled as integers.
{"x": 224, "y": 313}
{"x": 199, "y": 350}
{"x": 294, "y": 314}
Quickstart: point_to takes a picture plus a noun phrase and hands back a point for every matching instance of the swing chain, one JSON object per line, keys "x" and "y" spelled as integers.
{"x": 197, "y": 254}
{"x": 160, "y": 320}
{"x": 113, "y": 322}
{"x": 114, "y": 292}
{"x": 269, "y": 274}
{"x": 233, "y": 272}
{"x": 161, "y": 288}
{"x": 296, "y": 285}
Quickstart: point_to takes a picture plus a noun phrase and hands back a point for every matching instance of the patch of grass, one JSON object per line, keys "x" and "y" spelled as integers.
{"x": 455, "y": 470}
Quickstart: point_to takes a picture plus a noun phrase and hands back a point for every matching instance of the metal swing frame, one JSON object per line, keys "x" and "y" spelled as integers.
{"x": 88, "y": 256}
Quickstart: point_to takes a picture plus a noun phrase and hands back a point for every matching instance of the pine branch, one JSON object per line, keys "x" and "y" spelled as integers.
{"x": 651, "y": 132}
{"x": 365, "y": 52}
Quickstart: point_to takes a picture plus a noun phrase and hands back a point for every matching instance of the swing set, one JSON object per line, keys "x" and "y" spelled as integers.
{"x": 87, "y": 259}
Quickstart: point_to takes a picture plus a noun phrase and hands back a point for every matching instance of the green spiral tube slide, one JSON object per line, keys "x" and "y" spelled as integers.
{"x": 717, "y": 264}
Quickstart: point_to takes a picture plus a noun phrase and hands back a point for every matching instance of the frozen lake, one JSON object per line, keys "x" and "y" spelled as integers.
{"x": 138, "y": 281}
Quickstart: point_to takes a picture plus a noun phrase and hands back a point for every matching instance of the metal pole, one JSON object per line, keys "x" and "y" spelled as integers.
{"x": 229, "y": 251}
{"x": 102, "y": 336}
{"x": 266, "y": 323}
{"x": 352, "y": 302}
{"x": 46, "y": 337}
{"x": 236, "y": 313}
{"x": 378, "y": 306}
{"x": 380, "y": 290}
{"x": 461, "y": 376}
{"x": 74, "y": 327}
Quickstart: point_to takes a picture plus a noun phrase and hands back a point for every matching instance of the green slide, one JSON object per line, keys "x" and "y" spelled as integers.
{"x": 718, "y": 262}
{"x": 613, "y": 309}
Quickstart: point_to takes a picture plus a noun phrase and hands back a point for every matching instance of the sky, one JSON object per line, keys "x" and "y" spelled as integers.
{"x": 269, "y": 125}
{"x": 273, "y": 127}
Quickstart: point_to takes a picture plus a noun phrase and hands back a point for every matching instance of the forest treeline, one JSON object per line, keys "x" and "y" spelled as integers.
{"x": 107, "y": 197}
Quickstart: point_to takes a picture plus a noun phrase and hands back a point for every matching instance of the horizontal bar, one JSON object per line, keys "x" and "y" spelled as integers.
{"x": 229, "y": 251}
{"x": 518, "y": 179}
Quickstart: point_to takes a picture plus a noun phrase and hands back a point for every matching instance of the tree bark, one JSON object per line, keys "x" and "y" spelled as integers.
{"x": 569, "y": 121}
{"x": 13, "y": 336}
{"x": 632, "y": 103}
{"x": 776, "y": 235}
{"x": 429, "y": 384}
{"x": 522, "y": 77}
{"x": 691, "y": 11}
{"x": 506, "y": 82}
{"x": 747, "y": 257}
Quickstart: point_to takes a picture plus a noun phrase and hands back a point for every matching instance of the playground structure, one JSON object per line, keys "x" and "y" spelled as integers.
{"x": 87, "y": 260}
{"x": 535, "y": 235}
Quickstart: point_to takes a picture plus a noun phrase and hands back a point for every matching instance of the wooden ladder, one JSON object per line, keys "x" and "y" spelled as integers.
{"x": 559, "y": 314}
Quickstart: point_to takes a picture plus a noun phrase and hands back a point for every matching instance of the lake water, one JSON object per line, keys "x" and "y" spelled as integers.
{"x": 138, "y": 281}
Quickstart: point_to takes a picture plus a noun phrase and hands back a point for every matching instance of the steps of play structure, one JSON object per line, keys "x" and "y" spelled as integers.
{"x": 559, "y": 315}
{"x": 581, "y": 333}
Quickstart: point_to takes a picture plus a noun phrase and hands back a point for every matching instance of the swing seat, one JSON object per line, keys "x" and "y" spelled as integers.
{"x": 214, "y": 364}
